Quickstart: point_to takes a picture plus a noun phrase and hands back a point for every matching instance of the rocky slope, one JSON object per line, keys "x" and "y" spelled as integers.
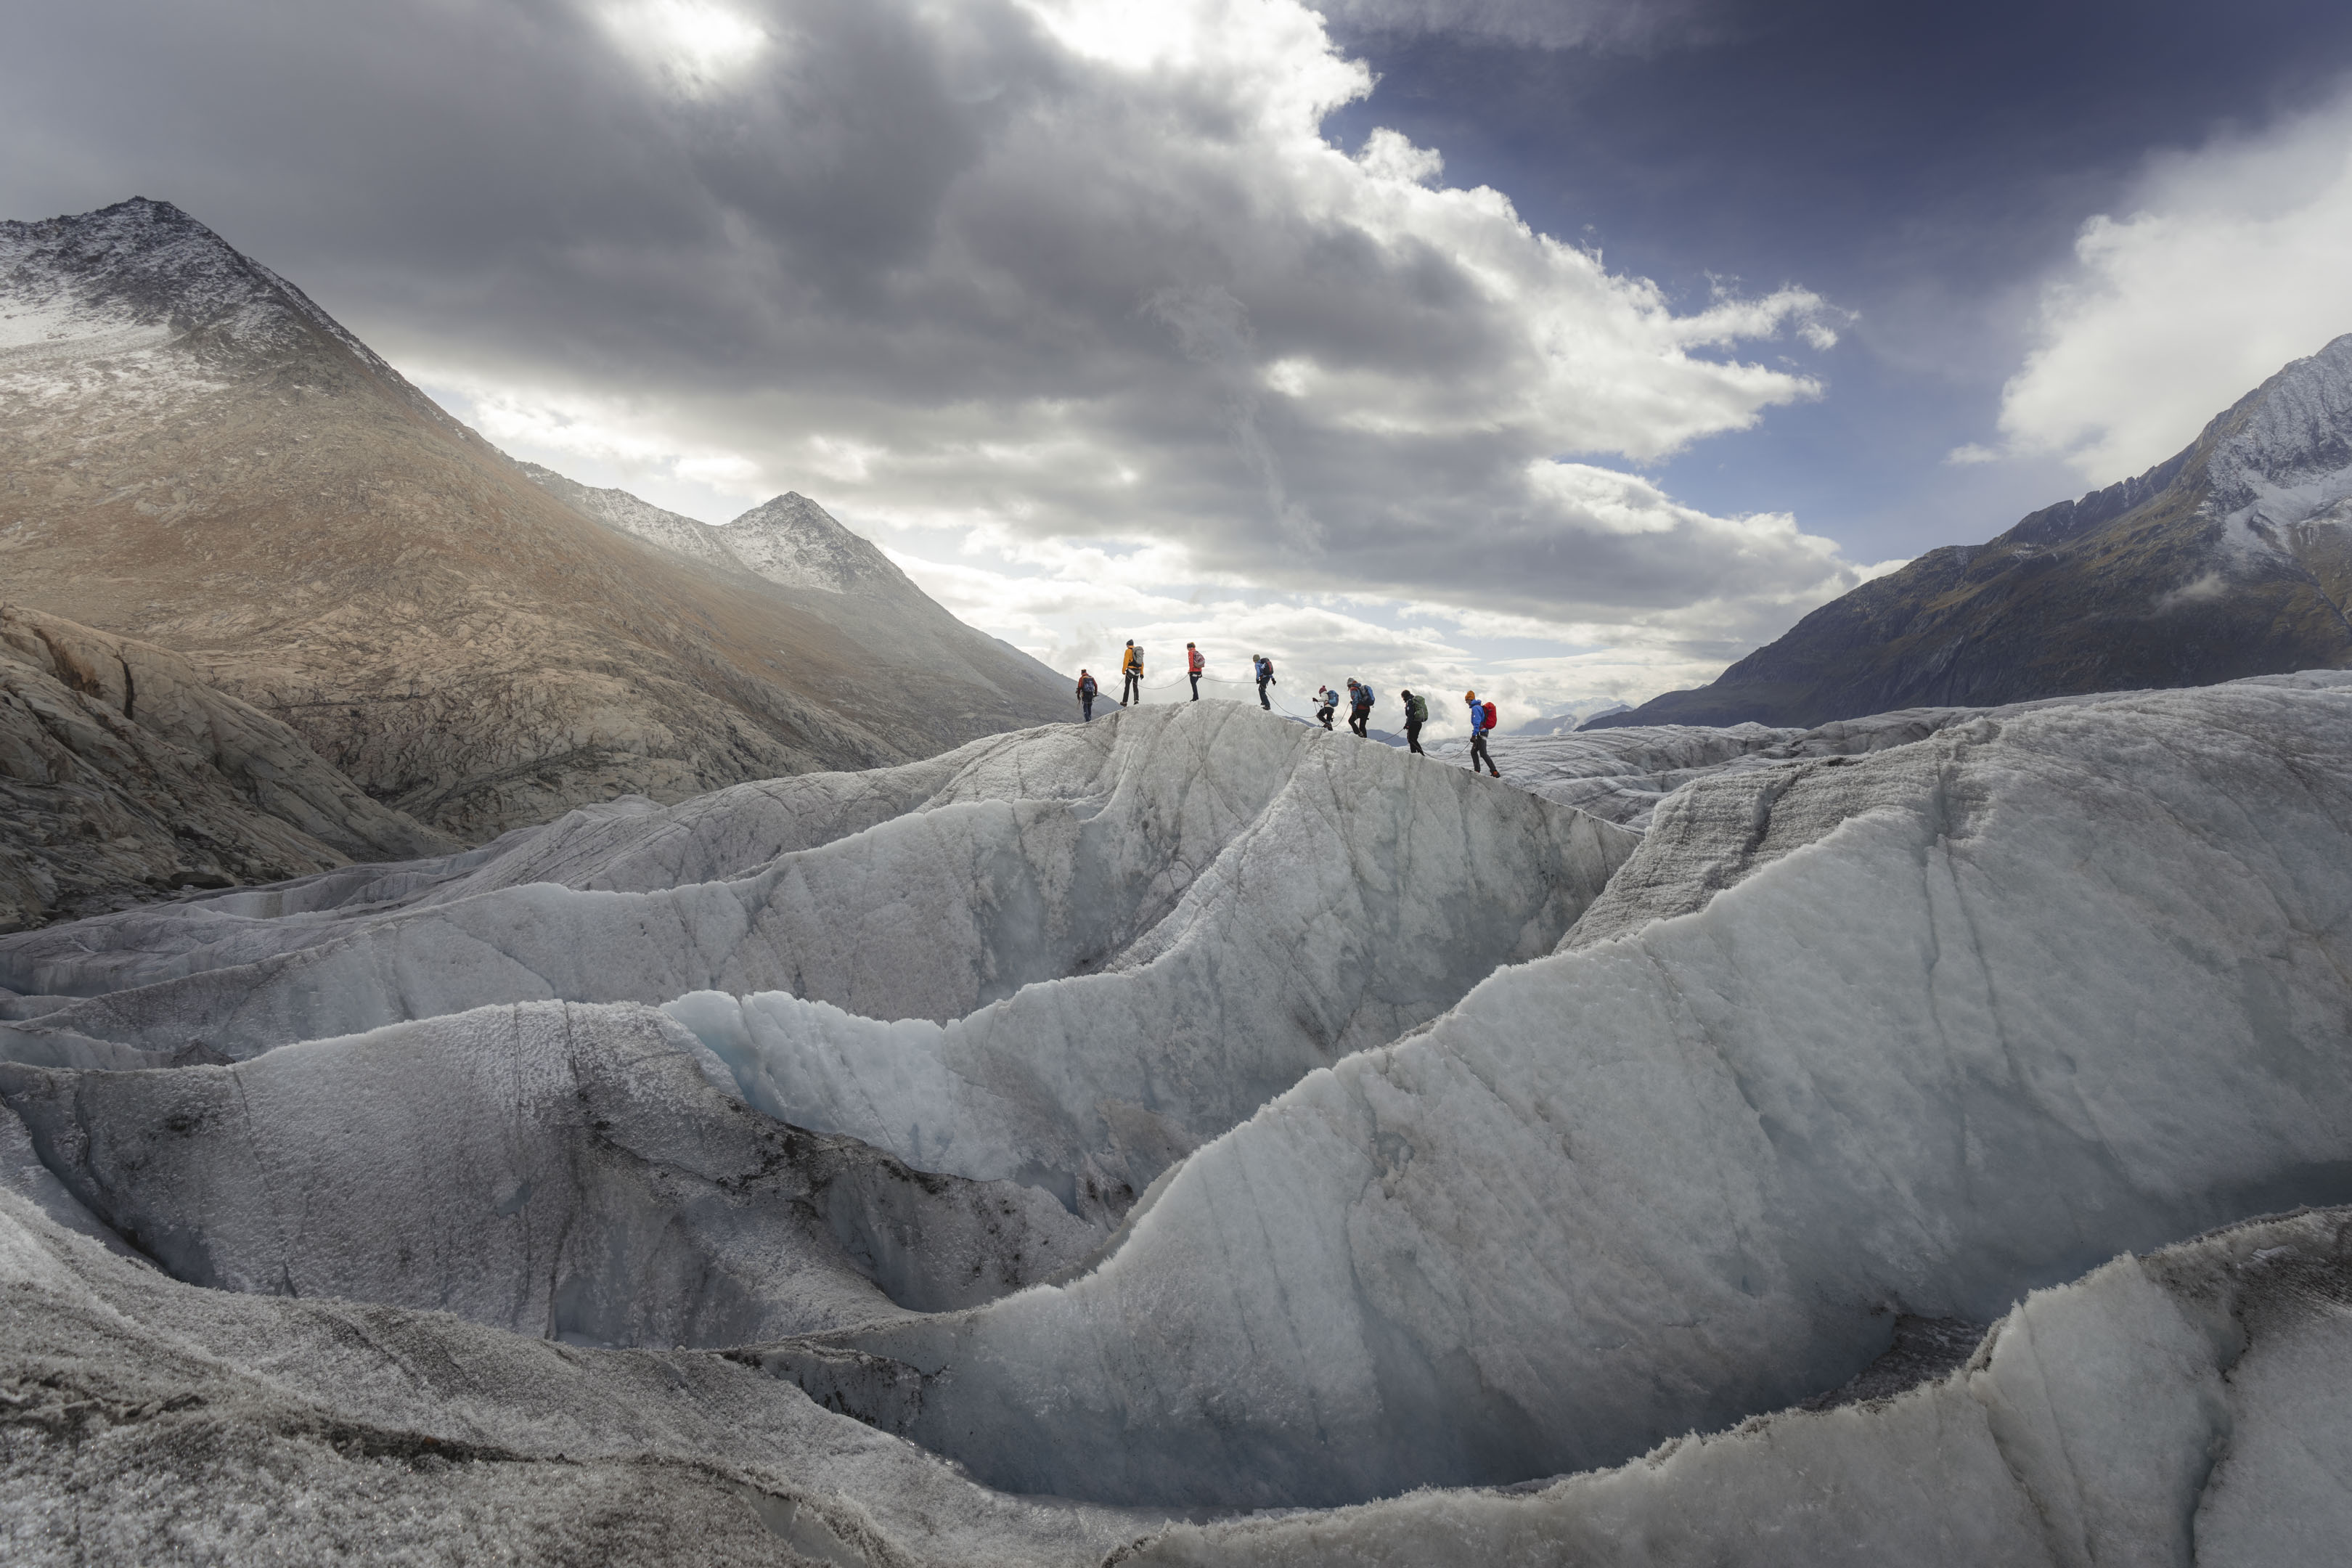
{"x": 2232, "y": 559}
{"x": 798, "y": 553}
{"x": 200, "y": 458}
{"x": 122, "y": 775}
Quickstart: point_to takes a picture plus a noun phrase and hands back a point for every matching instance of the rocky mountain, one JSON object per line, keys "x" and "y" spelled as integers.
{"x": 199, "y": 457}
{"x": 122, "y": 776}
{"x": 800, "y": 552}
{"x": 2233, "y": 558}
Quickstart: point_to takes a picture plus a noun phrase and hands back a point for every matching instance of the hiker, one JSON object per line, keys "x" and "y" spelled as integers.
{"x": 1481, "y": 719}
{"x": 1194, "y": 665}
{"x": 1086, "y": 697}
{"x": 1416, "y": 714}
{"x": 1327, "y": 702}
{"x": 1360, "y": 708}
{"x": 1262, "y": 667}
{"x": 1131, "y": 666}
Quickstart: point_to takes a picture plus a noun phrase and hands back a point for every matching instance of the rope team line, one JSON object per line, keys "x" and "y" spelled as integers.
{"x": 1280, "y": 705}
{"x": 1276, "y": 700}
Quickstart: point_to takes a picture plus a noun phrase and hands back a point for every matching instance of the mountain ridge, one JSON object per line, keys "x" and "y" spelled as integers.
{"x": 2229, "y": 559}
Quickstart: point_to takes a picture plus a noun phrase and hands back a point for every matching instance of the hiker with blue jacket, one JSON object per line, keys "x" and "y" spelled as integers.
{"x": 1262, "y": 667}
{"x": 1360, "y": 708}
{"x": 1481, "y": 719}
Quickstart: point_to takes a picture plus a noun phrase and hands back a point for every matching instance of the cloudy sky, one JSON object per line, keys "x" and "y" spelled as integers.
{"x": 1569, "y": 348}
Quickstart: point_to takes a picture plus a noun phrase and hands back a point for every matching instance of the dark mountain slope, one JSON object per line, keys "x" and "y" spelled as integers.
{"x": 2231, "y": 559}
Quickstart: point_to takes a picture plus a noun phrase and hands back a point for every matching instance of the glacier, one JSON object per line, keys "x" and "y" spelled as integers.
{"x": 1054, "y": 1150}
{"x": 1954, "y": 1019}
{"x": 1065, "y": 957}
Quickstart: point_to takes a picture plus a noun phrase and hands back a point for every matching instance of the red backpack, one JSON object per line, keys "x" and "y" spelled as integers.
{"x": 1490, "y": 716}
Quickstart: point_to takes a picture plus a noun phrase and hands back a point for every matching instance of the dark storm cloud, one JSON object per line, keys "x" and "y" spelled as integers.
{"x": 1072, "y": 268}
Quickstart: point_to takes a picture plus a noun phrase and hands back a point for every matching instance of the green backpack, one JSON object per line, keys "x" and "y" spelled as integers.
{"x": 1418, "y": 709}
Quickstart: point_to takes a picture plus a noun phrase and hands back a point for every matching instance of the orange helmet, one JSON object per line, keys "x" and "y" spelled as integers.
{"x": 1469, "y": 697}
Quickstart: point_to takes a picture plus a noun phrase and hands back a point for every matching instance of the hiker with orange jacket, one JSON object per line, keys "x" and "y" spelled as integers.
{"x": 1194, "y": 664}
{"x": 1130, "y": 665}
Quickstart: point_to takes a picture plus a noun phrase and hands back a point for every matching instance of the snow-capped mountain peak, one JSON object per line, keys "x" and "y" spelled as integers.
{"x": 142, "y": 291}
{"x": 790, "y": 538}
{"x": 2283, "y": 455}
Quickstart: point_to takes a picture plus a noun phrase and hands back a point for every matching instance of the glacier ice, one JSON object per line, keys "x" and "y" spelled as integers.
{"x": 1199, "y": 1113}
{"x": 2041, "y": 987}
{"x": 2188, "y": 1406}
{"x": 544, "y": 1168}
{"x": 1064, "y": 957}
{"x": 2184, "y": 1406}
{"x": 148, "y": 1421}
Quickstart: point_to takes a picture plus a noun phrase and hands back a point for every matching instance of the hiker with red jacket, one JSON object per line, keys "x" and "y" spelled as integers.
{"x": 1086, "y": 697}
{"x": 1194, "y": 665}
{"x": 1481, "y": 719}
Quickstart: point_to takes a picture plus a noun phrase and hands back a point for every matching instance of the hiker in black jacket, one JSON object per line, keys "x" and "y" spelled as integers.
{"x": 1416, "y": 714}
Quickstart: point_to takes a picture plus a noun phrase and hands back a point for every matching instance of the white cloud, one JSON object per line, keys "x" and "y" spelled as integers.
{"x": 696, "y": 48}
{"x": 2232, "y": 259}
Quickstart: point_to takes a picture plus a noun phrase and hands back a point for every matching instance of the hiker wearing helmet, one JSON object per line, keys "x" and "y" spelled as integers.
{"x": 1194, "y": 665}
{"x": 1481, "y": 719}
{"x": 1262, "y": 667}
{"x": 1131, "y": 666}
{"x": 1359, "y": 707}
{"x": 1327, "y": 702}
{"x": 1416, "y": 714}
{"x": 1086, "y": 697}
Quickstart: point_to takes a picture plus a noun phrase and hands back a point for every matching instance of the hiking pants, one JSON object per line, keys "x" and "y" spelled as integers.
{"x": 1134, "y": 687}
{"x": 1358, "y": 719}
{"x": 1196, "y": 686}
{"x": 1087, "y": 707}
{"x": 1325, "y": 714}
{"x": 1478, "y": 754}
{"x": 1261, "y": 697}
{"x": 1412, "y": 737}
